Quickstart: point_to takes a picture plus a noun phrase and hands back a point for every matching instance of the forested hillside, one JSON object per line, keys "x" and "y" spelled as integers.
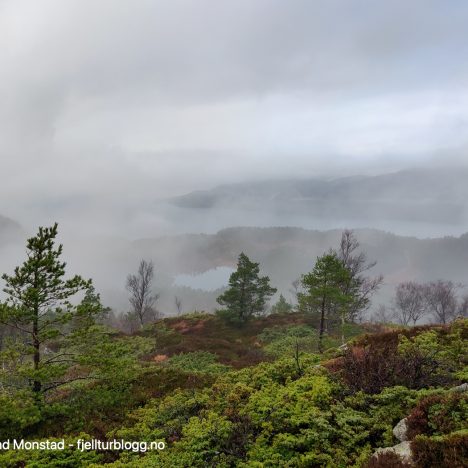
{"x": 286, "y": 252}
{"x": 283, "y": 252}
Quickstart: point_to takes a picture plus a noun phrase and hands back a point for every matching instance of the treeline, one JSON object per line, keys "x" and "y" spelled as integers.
{"x": 338, "y": 288}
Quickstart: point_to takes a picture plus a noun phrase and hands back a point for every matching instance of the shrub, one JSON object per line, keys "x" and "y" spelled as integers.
{"x": 415, "y": 359}
{"x": 68, "y": 458}
{"x": 449, "y": 451}
{"x": 438, "y": 415}
{"x": 197, "y": 362}
{"x": 18, "y": 414}
{"x": 283, "y": 341}
{"x": 387, "y": 460}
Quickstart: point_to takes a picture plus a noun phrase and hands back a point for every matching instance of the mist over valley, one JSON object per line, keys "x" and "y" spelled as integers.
{"x": 413, "y": 223}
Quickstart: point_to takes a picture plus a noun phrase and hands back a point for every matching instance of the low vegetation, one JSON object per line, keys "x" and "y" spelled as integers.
{"x": 294, "y": 388}
{"x": 316, "y": 410}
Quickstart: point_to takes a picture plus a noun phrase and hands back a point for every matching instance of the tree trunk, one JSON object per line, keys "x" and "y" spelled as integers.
{"x": 322, "y": 326}
{"x": 342, "y": 328}
{"x": 37, "y": 386}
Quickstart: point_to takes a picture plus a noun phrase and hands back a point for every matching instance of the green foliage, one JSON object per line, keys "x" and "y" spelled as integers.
{"x": 325, "y": 295}
{"x": 18, "y": 413}
{"x": 450, "y": 451}
{"x": 195, "y": 315}
{"x": 284, "y": 341}
{"x": 199, "y": 361}
{"x": 202, "y": 437}
{"x": 163, "y": 419}
{"x": 415, "y": 358}
{"x": 269, "y": 415}
{"x": 445, "y": 354}
{"x": 112, "y": 359}
{"x": 282, "y": 306}
{"x": 274, "y": 414}
{"x": 380, "y": 412}
{"x": 104, "y": 396}
{"x": 270, "y": 335}
{"x": 439, "y": 414}
{"x": 39, "y": 307}
{"x": 247, "y": 293}
{"x": 323, "y": 285}
{"x": 68, "y": 458}
{"x": 298, "y": 409}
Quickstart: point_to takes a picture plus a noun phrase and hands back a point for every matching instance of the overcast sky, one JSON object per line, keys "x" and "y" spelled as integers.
{"x": 106, "y": 103}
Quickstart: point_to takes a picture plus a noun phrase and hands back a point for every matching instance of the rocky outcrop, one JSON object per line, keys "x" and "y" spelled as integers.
{"x": 460, "y": 388}
{"x": 400, "y": 431}
{"x": 403, "y": 450}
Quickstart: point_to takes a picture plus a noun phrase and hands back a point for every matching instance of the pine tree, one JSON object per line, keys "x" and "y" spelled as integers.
{"x": 38, "y": 307}
{"x": 247, "y": 294}
{"x": 282, "y": 306}
{"x": 324, "y": 291}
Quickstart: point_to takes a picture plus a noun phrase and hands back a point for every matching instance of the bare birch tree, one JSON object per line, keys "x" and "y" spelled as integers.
{"x": 141, "y": 297}
{"x": 409, "y": 302}
{"x": 357, "y": 264}
{"x": 441, "y": 300}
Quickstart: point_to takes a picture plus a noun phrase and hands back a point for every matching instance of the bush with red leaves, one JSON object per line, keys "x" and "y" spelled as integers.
{"x": 441, "y": 452}
{"x": 375, "y": 363}
{"x": 387, "y": 460}
{"x": 438, "y": 414}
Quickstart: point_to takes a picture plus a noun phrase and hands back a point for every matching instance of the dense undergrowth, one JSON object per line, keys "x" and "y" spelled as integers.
{"x": 260, "y": 396}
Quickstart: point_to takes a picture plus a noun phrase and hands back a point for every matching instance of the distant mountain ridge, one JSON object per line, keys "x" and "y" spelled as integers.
{"x": 418, "y": 199}
{"x": 422, "y": 184}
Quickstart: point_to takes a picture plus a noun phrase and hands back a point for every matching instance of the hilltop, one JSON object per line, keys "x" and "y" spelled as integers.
{"x": 218, "y": 395}
{"x": 239, "y": 346}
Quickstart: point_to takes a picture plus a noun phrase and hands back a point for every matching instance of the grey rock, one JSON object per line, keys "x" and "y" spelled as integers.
{"x": 400, "y": 431}
{"x": 403, "y": 450}
{"x": 460, "y": 388}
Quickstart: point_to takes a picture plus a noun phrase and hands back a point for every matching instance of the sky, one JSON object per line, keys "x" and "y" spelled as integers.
{"x": 110, "y": 105}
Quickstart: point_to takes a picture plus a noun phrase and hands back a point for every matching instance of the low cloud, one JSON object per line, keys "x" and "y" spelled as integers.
{"x": 109, "y": 106}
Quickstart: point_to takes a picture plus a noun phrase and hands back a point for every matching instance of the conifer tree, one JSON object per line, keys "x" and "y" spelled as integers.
{"x": 248, "y": 292}
{"x": 324, "y": 290}
{"x": 38, "y": 306}
{"x": 282, "y": 306}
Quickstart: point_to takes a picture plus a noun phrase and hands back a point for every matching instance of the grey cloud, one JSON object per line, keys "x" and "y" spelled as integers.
{"x": 109, "y": 108}
{"x": 183, "y": 51}
{"x": 109, "y": 105}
